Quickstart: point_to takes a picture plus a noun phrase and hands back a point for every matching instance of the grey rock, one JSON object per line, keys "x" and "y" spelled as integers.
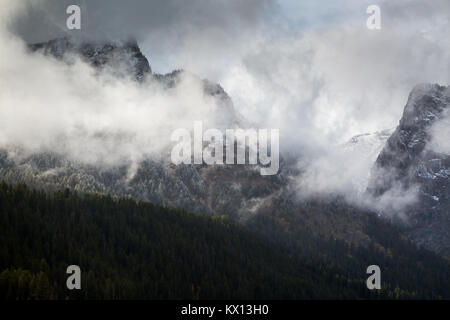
{"x": 407, "y": 161}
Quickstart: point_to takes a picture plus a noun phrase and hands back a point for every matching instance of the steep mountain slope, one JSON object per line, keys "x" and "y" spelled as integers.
{"x": 411, "y": 161}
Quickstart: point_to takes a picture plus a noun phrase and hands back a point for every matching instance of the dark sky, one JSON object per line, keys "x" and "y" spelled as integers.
{"x": 44, "y": 19}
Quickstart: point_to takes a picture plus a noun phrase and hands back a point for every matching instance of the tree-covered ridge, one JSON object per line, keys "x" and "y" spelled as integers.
{"x": 407, "y": 271}
{"x": 128, "y": 249}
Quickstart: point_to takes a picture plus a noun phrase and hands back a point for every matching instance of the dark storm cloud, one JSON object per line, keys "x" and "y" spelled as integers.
{"x": 42, "y": 20}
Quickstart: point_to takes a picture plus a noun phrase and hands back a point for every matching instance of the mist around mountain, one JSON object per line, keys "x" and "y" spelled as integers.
{"x": 114, "y": 144}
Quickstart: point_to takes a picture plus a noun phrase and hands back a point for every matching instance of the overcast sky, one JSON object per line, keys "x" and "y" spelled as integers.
{"x": 216, "y": 28}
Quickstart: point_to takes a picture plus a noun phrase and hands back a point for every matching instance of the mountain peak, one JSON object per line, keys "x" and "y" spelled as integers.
{"x": 122, "y": 56}
{"x": 408, "y": 162}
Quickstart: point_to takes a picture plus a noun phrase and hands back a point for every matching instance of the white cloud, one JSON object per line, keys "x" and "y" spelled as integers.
{"x": 321, "y": 86}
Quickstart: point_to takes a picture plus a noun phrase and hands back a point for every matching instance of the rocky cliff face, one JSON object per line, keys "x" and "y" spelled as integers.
{"x": 410, "y": 161}
{"x": 124, "y": 58}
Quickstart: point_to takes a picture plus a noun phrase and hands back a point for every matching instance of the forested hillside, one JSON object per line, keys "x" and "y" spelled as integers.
{"x": 128, "y": 249}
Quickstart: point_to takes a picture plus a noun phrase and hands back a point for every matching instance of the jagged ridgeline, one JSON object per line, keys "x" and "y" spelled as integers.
{"x": 233, "y": 190}
{"x": 130, "y": 249}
